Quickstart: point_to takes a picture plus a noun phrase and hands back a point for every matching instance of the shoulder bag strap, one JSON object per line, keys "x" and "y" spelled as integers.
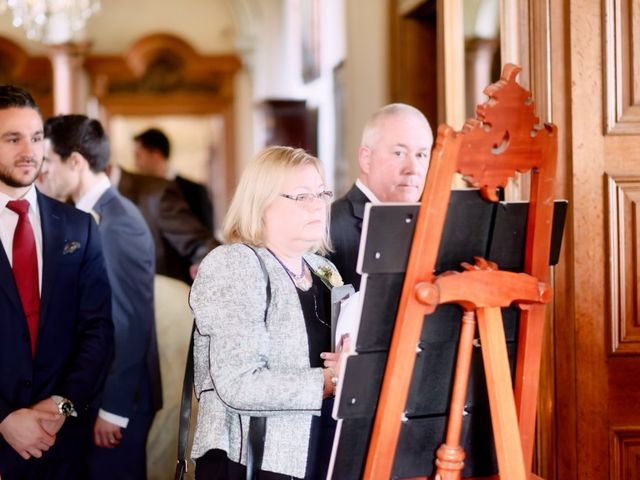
{"x": 185, "y": 411}
{"x": 258, "y": 425}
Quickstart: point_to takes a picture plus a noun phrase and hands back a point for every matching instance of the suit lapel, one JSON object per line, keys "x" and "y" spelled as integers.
{"x": 52, "y": 221}
{"x": 8, "y": 283}
{"x": 104, "y": 199}
{"x": 357, "y": 199}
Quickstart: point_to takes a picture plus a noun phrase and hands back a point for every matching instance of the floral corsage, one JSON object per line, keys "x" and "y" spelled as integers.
{"x": 329, "y": 276}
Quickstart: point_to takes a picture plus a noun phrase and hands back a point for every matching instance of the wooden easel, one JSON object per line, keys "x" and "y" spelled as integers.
{"x": 504, "y": 138}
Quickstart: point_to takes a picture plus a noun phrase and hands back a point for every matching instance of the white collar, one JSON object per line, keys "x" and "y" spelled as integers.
{"x": 368, "y": 193}
{"x": 31, "y": 196}
{"x": 90, "y": 198}
{"x": 171, "y": 174}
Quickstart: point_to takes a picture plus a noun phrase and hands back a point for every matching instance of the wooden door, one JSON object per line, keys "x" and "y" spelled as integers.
{"x": 413, "y": 59}
{"x": 595, "y": 93}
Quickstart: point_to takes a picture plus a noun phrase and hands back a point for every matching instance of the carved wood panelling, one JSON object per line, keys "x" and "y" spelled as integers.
{"x": 625, "y": 453}
{"x": 33, "y": 73}
{"x": 624, "y": 268}
{"x": 622, "y": 73}
{"x": 163, "y": 74}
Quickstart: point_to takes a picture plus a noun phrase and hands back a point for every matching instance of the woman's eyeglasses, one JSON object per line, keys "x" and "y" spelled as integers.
{"x": 307, "y": 198}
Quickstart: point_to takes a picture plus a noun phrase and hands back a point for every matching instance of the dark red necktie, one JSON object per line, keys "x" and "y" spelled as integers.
{"x": 25, "y": 268}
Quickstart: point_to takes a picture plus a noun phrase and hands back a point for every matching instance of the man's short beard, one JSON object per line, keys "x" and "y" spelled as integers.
{"x": 12, "y": 182}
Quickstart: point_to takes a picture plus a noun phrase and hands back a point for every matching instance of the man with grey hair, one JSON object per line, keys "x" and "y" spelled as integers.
{"x": 393, "y": 158}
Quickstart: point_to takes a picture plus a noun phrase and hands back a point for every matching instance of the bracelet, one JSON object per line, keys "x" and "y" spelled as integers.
{"x": 334, "y": 379}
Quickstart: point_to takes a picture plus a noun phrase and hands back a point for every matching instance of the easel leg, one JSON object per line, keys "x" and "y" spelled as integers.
{"x": 528, "y": 375}
{"x": 450, "y": 455}
{"x": 501, "y": 399}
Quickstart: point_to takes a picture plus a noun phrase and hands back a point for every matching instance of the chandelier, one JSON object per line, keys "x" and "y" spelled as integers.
{"x": 51, "y": 21}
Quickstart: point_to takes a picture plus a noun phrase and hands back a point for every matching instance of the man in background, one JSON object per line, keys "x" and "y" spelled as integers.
{"x": 393, "y": 158}
{"x": 181, "y": 240}
{"x": 55, "y": 311}
{"x": 151, "y": 151}
{"x": 77, "y": 155}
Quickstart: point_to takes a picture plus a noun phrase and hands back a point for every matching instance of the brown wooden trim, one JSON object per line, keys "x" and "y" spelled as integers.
{"x": 622, "y": 67}
{"x": 451, "y": 13}
{"x": 160, "y": 74}
{"x": 625, "y": 453}
{"x": 178, "y": 103}
{"x": 145, "y": 51}
{"x": 394, "y": 58}
{"x": 565, "y": 454}
{"x": 412, "y": 72}
{"x": 623, "y": 207}
{"x": 34, "y": 73}
{"x": 591, "y": 154}
{"x": 14, "y": 58}
{"x": 540, "y": 57}
{"x": 440, "y": 60}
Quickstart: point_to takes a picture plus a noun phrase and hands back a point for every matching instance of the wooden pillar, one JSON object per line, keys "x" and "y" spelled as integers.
{"x": 451, "y": 61}
{"x": 66, "y": 60}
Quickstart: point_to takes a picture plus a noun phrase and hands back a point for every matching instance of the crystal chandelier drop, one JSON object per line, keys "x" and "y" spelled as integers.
{"x": 51, "y": 21}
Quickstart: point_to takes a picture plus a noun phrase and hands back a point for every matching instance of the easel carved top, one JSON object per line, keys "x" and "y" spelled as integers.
{"x": 505, "y": 138}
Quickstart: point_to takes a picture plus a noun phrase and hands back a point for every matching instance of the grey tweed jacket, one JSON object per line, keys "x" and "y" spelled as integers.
{"x": 245, "y": 366}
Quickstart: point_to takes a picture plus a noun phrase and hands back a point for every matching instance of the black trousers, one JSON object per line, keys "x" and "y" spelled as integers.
{"x": 49, "y": 470}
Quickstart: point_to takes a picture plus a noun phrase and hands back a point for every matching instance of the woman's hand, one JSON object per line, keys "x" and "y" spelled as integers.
{"x": 332, "y": 363}
{"x": 328, "y": 388}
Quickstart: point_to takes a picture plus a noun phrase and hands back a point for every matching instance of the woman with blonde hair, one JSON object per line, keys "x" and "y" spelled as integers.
{"x": 262, "y": 310}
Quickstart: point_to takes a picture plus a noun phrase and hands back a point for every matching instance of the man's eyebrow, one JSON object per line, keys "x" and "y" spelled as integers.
{"x": 10, "y": 134}
{"x": 402, "y": 145}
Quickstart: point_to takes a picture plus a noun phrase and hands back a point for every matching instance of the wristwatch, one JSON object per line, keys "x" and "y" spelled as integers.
{"x": 65, "y": 406}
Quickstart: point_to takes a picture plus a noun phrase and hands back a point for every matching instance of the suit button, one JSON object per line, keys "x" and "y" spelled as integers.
{"x": 27, "y": 383}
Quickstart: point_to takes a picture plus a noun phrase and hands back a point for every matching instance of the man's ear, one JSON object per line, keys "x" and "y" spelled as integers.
{"x": 78, "y": 162}
{"x": 157, "y": 156}
{"x": 364, "y": 159}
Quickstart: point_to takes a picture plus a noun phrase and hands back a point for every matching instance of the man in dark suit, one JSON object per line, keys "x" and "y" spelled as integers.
{"x": 152, "y": 150}
{"x": 77, "y": 154}
{"x": 181, "y": 241}
{"x": 56, "y": 339}
{"x": 393, "y": 158}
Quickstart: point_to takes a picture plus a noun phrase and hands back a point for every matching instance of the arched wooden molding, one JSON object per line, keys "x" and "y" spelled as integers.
{"x": 143, "y": 53}
{"x": 162, "y": 74}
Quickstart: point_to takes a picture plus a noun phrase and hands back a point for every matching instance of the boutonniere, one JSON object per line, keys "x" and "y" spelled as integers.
{"x": 330, "y": 277}
{"x": 70, "y": 247}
